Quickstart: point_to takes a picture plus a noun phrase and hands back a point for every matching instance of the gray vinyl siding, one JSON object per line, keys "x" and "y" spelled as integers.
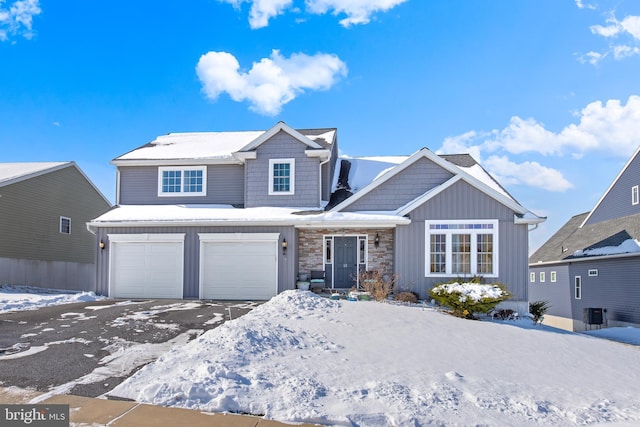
{"x": 307, "y": 174}
{"x": 139, "y": 186}
{"x": 30, "y": 212}
{"x": 558, "y": 294}
{"x": 617, "y": 202}
{"x": 615, "y": 288}
{"x": 286, "y": 263}
{"x": 412, "y": 182}
{"x": 463, "y": 202}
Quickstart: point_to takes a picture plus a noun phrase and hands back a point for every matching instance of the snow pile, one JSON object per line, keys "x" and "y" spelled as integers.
{"x": 474, "y": 291}
{"x": 303, "y": 358}
{"x": 628, "y": 246}
{"x": 18, "y": 298}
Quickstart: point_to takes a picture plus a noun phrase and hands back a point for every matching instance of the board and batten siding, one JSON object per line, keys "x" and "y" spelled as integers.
{"x": 307, "y": 174}
{"x": 286, "y": 263}
{"x": 617, "y": 201}
{"x": 139, "y": 186}
{"x": 412, "y": 182}
{"x": 32, "y": 249}
{"x": 462, "y": 202}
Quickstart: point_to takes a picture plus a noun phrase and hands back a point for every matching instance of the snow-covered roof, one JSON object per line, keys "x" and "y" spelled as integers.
{"x": 228, "y": 215}
{"x": 211, "y": 145}
{"x": 13, "y": 172}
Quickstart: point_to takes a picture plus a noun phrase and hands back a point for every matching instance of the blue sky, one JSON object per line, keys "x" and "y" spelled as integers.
{"x": 544, "y": 93}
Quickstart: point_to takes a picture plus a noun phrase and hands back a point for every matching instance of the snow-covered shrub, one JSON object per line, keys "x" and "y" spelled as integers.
{"x": 537, "y": 310}
{"x": 406, "y": 296}
{"x": 376, "y": 283}
{"x": 467, "y": 298}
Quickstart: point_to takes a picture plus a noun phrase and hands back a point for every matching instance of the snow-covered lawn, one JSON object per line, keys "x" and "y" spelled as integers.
{"x": 18, "y": 298}
{"x": 303, "y": 358}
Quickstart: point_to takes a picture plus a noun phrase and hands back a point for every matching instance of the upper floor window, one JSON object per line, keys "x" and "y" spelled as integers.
{"x": 635, "y": 197}
{"x": 458, "y": 248}
{"x": 185, "y": 181}
{"x": 282, "y": 176}
{"x": 65, "y": 225}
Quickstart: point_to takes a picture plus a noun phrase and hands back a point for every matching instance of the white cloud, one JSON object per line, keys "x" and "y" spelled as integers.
{"x": 625, "y": 32}
{"x": 357, "y": 11}
{"x": 261, "y": 10}
{"x": 532, "y": 174}
{"x": 271, "y": 82}
{"x": 610, "y": 127}
{"x": 17, "y": 19}
{"x": 582, "y": 5}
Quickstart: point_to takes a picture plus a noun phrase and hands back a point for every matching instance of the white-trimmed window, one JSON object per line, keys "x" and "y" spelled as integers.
{"x": 542, "y": 276}
{"x": 592, "y": 272}
{"x": 65, "y": 225}
{"x": 532, "y": 277}
{"x": 460, "y": 248}
{"x": 554, "y": 276}
{"x": 282, "y": 176}
{"x": 635, "y": 196}
{"x": 182, "y": 181}
{"x": 577, "y": 293}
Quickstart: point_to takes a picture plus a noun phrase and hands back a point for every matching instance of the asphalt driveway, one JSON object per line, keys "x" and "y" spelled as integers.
{"x": 88, "y": 348}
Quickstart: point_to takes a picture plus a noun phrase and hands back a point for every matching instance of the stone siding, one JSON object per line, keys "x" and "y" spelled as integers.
{"x": 311, "y": 246}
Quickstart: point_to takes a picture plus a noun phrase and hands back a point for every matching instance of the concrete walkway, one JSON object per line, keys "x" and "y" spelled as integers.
{"x": 86, "y": 411}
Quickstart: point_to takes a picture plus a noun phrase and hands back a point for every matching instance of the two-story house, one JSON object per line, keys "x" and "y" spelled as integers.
{"x": 44, "y": 208}
{"x": 593, "y": 261}
{"x": 239, "y": 215}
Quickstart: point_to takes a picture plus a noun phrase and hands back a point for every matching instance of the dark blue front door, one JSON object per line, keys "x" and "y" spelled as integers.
{"x": 345, "y": 262}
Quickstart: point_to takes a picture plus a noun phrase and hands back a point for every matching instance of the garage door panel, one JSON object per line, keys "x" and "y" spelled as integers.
{"x": 239, "y": 270}
{"x": 147, "y": 270}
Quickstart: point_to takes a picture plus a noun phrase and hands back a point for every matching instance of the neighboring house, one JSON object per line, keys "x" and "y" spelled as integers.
{"x": 44, "y": 241}
{"x": 593, "y": 261}
{"x": 240, "y": 215}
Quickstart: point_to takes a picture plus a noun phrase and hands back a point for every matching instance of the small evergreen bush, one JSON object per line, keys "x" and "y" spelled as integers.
{"x": 465, "y": 298}
{"x": 538, "y": 310}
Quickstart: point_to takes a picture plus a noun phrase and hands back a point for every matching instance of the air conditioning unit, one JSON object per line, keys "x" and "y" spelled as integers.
{"x": 593, "y": 316}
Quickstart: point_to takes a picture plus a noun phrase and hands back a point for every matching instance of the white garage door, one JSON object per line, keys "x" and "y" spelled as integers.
{"x": 146, "y": 266}
{"x": 239, "y": 266}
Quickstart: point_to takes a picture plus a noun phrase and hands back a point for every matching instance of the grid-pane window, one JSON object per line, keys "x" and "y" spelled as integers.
{"x": 171, "y": 181}
{"x": 175, "y": 181}
{"x": 635, "y": 197}
{"x": 438, "y": 261}
{"x": 461, "y": 253}
{"x": 281, "y": 177}
{"x": 193, "y": 181}
{"x": 484, "y": 258}
{"x": 464, "y": 247}
{"x": 578, "y": 287}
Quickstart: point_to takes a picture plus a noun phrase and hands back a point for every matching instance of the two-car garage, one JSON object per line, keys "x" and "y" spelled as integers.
{"x": 232, "y": 266}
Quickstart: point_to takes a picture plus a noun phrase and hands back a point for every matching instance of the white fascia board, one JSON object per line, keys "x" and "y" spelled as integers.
{"x": 530, "y": 220}
{"x": 611, "y": 186}
{"x": 354, "y": 224}
{"x": 177, "y": 162}
{"x": 323, "y": 154}
{"x": 242, "y": 156}
{"x": 280, "y": 126}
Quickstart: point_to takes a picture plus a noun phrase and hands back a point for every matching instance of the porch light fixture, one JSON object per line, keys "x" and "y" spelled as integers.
{"x": 376, "y": 240}
{"x": 284, "y": 246}
{"x": 101, "y": 244}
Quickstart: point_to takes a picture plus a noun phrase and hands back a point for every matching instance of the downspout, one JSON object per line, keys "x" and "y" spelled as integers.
{"x": 117, "y": 187}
